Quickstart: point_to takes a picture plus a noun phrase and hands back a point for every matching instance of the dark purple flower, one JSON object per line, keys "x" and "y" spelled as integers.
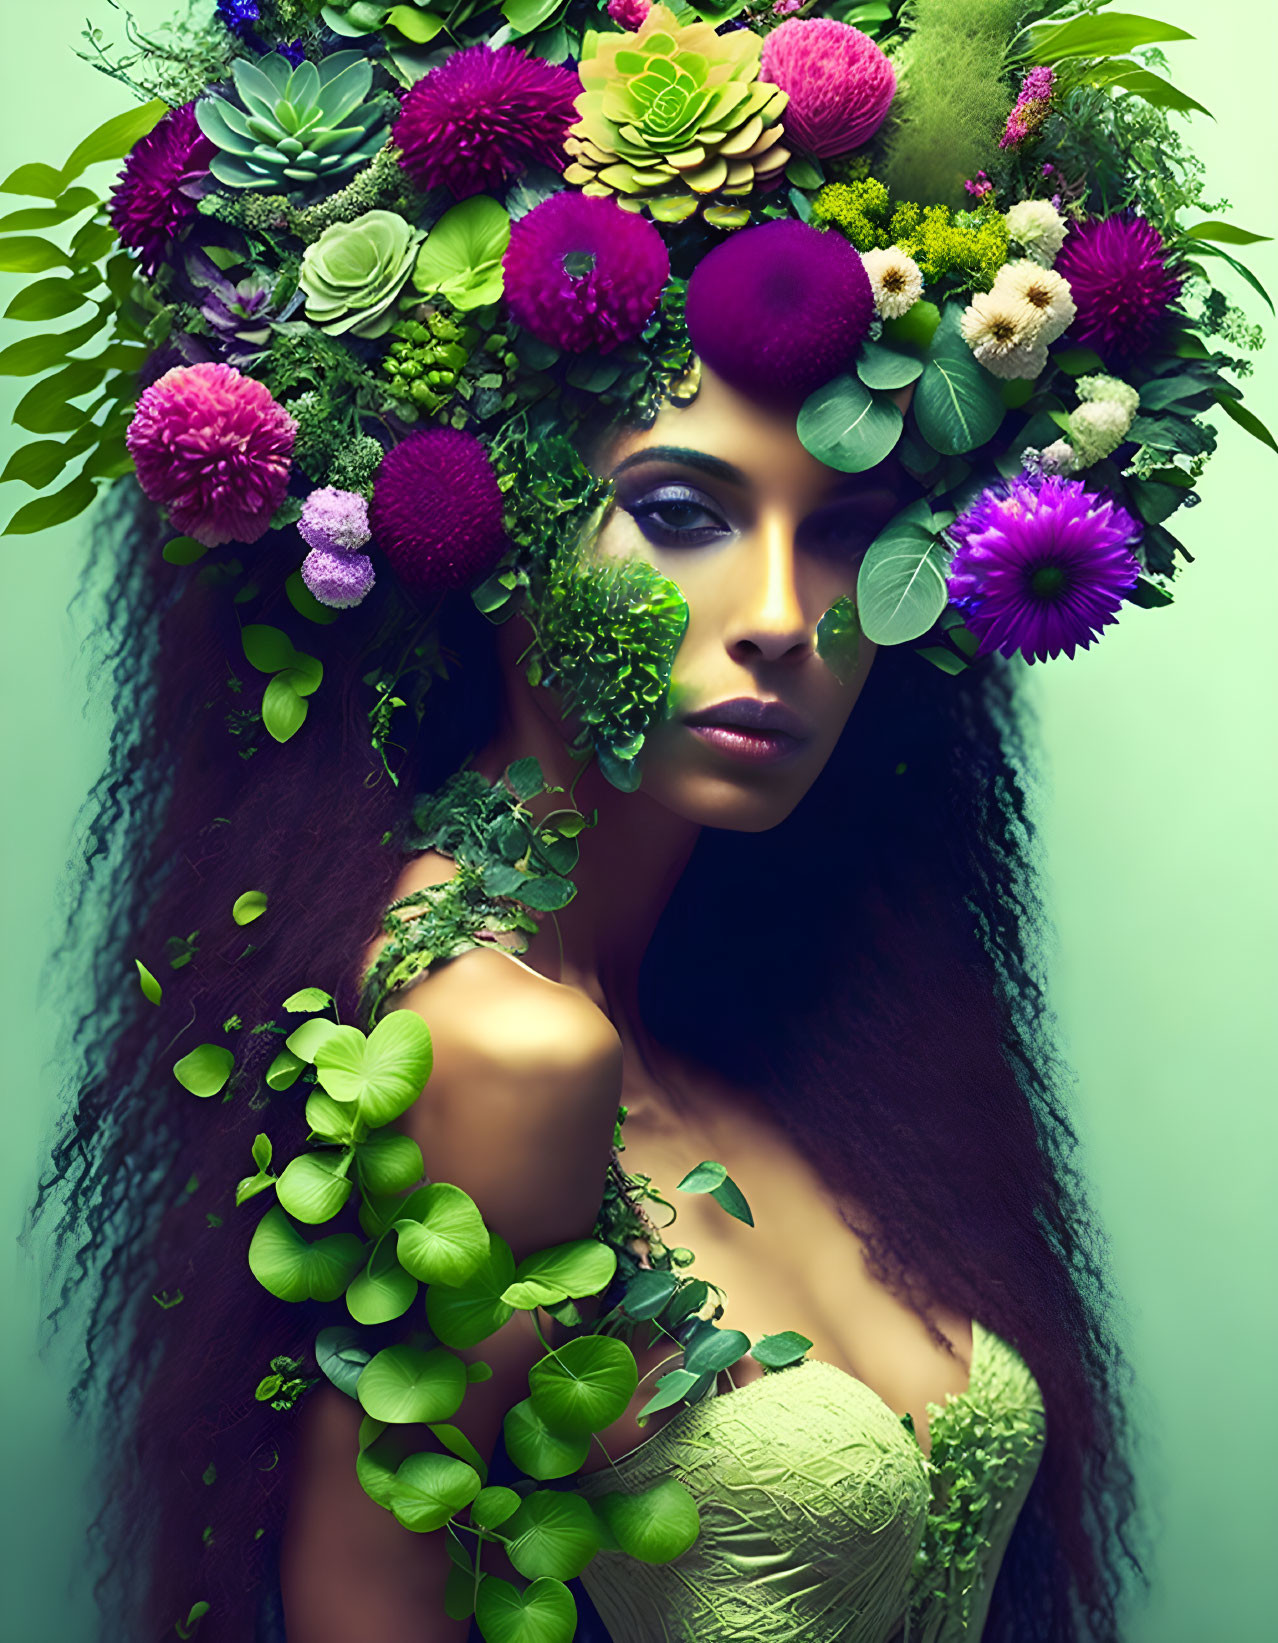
{"x": 1041, "y": 565}
{"x": 1120, "y": 282}
{"x": 482, "y": 117}
{"x": 437, "y": 511}
{"x": 780, "y": 309}
{"x": 162, "y": 180}
{"x": 582, "y": 273}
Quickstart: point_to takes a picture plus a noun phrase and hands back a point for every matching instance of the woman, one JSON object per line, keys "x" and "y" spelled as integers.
{"x": 866, "y": 1062}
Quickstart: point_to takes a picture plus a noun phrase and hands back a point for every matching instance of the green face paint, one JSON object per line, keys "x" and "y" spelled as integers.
{"x": 838, "y": 639}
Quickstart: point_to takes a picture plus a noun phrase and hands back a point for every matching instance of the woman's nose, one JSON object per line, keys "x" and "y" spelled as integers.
{"x": 768, "y": 622}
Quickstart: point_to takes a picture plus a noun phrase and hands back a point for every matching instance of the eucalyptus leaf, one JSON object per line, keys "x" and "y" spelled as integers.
{"x": 205, "y": 1070}
{"x": 777, "y": 1351}
{"x": 838, "y": 639}
{"x": 647, "y": 1293}
{"x": 268, "y": 649}
{"x": 584, "y": 1385}
{"x": 183, "y": 550}
{"x": 881, "y": 367}
{"x": 847, "y": 426}
{"x": 957, "y": 404}
{"x": 382, "y": 1074}
{"x": 283, "y": 710}
{"x": 712, "y": 1349}
{"x": 430, "y": 1489}
{"x": 901, "y": 586}
{"x": 462, "y": 1315}
{"x": 305, "y": 1042}
{"x": 551, "y": 1533}
{"x": 403, "y": 1385}
{"x": 672, "y": 1388}
{"x": 539, "y": 1449}
{"x": 656, "y": 1525}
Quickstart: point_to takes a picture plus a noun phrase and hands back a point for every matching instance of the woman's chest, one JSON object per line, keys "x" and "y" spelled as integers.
{"x": 801, "y": 1266}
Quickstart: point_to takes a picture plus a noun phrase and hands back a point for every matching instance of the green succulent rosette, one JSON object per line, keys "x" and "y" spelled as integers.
{"x": 354, "y": 272}
{"x": 674, "y": 118}
{"x": 298, "y": 127}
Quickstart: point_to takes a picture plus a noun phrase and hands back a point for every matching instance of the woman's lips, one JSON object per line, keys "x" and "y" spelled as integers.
{"x": 747, "y": 728}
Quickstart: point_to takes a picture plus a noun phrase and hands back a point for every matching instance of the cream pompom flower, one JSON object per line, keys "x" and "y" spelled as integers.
{"x": 1046, "y": 292}
{"x": 1038, "y": 228}
{"x": 895, "y": 279}
{"x": 1107, "y": 406}
{"x": 1003, "y": 331}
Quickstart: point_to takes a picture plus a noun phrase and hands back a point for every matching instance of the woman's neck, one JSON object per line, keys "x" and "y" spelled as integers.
{"x": 630, "y": 864}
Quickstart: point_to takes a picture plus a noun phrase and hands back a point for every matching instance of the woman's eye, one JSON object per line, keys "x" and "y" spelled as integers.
{"x": 675, "y": 517}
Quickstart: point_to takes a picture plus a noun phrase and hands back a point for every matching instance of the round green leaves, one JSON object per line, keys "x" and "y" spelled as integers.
{"x": 585, "y": 1385}
{"x": 285, "y": 1264}
{"x": 849, "y": 427}
{"x": 655, "y": 1526}
{"x": 205, "y": 1070}
{"x": 446, "y": 1241}
{"x": 403, "y": 1384}
{"x": 382, "y": 1074}
{"x": 958, "y": 404}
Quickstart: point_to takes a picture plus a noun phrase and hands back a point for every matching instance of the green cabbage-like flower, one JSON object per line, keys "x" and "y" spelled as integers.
{"x": 674, "y": 117}
{"x": 354, "y": 272}
{"x": 299, "y": 127}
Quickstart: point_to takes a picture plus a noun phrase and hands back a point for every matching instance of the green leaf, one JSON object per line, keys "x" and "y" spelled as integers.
{"x": 672, "y": 1387}
{"x": 151, "y": 989}
{"x": 187, "y": 1628}
{"x": 381, "y": 1291}
{"x": 958, "y": 404}
{"x": 389, "y": 1163}
{"x": 382, "y": 1074}
{"x": 205, "y": 1070}
{"x": 417, "y": 26}
{"x": 30, "y": 254}
{"x": 847, "y": 427}
{"x": 946, "y": 660}
{"x": 526, "y": 779}
{"x": 1077, "y": 362}
{"x": 711, "y": 1349}
{"x": 1151, "y": 87}
{"x": 542, "y": 1613}
{"x": 1202, "y": 248}
{"x": 1113, "y": 35}
{"x": 341, "y": 1357}
{"x": 305, "y": 1042}
{"x": 36, "y": 464}
{"x": 838, "y": 639}
{"x": 1225, "y": 233}
{"x": 114, "y": 137}
{"x": 292, "y": 1270}
{"x": 263, "y": 1151}
{"x": 403, "y": 1385}
{"x": 901, "y": 586}
{"x": 526, "y": 15}
{"x": 183, "y": 550}
{"x": 283, "y": 710}
{"x": 429, "y": 1489}
{"x": 491, "y": 1507}
{"x": 454, "y": 1439}
{"x": 268, "y": 649}
{"x": 46, "y": 511}
{"x": 1239, "y": 413}
{"x": 583, "y": 1267}
{"x": 30, "y": 355}
{"x": 584, "y": 1385}
{"x": 307, "y": 1000}
{"x": 713, "y": 1178}
{"x": 648, "y": 1292}
{"x": 655, "y": 1526}
{"x": 310, "y": 1188}
{"x": 552, "y": 1533}
{"x": 251, "y": 905}
{"x": 326, "y": 1117}
{"x": 462, "y": 1315}
{"x": 91, "y": 242}
{"x": 37, "y": 178}
{"x": 776, "y": 1351}
{"x": 887, "y": 368}
{"x": 538, "y": 1449}
{"x": 448, "y": 1242}
{"x": 306, "y": 604}
{"x": 305, "y": 675}
{"x": 461, "y": 256}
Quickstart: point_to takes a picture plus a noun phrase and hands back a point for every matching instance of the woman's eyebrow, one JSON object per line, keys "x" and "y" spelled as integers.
{"x": 715, "y": 466}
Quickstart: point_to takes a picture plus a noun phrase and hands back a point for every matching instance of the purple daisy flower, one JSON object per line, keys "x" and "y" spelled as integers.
{"x": 160, "y": 185}
{"x": 779, "y": 309}
{"x": 483, "y": 116}
{"x": 1041, "y": 565}
{"x": 582, "y": 273}
{"x": 1120, "y": 283}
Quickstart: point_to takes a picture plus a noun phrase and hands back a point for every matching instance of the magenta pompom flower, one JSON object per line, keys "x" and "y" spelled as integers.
{"x": 160, "y": 185}
{"x": 582, "y": 273}
{"x": 1041, "y": 565}
{"x": 629, "y": 14}
{"x": 483, "y": 116}
{"x": 1117, "y": 272}
{"x": 841, "y": 85}
{"x": 335, "y": 520}
{"x": 779, "y": 309}
{"x": 340, "y": 580}
{"x": 437, "y": 511}
{"x": 215, "y": 449}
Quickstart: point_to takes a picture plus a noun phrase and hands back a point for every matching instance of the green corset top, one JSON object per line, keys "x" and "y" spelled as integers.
{"x": 822, "y": 1519}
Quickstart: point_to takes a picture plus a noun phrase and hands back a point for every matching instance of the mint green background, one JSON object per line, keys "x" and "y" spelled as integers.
{"x": 1157, "y": 817}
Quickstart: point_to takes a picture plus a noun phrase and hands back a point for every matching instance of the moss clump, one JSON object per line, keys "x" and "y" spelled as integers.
{"x": 961, "y": 251}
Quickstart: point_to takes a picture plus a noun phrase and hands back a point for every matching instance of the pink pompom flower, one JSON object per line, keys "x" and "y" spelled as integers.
{"x": 482, "y": 117}
{"x": 582, "y": 273}
{"x": 215, "y": 449}
{"x": 779, "y": 309}
{"x": 437, "y": 511}
{"x": 629, "y": 14}
{"x": 841, "y": 85}
{"x": 160, "y": 186}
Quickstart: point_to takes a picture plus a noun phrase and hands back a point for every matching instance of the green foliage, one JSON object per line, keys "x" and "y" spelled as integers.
{"x": 426, "y": 357}
{"x": 205, "y": 1069}
{"x": 847, "y": 426}
{"x": 957, "y": 404}
{"x": 354, "y": 272}
{"x": 461, "y": 258}
{"x": 901, "y": 587}
{"x": 962, "y": 251}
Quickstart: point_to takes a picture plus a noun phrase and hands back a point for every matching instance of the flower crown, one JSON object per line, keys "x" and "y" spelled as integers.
{"x": 375, "y": 261}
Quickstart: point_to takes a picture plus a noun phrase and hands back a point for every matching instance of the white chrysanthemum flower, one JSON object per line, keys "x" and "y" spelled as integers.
{"x": 1038, "y": 228}
{"x": 1046, "y": 292}
{"x": 1002, "y": 330}
{"x": 1096, "y": 430}
{"x": 1021, "y": 364}
{"x": 1112, "y": 388}
{"x": 895, "y": 279}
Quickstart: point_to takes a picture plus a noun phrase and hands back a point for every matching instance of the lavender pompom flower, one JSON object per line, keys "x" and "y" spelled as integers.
{"x": 582, "y": 273}
{"x": 160, "y": 186}
{"x": 335, "y": 520}
{"x": 482, "y": 117}
{"x": 1041, "y": 565}
{"x": 340, "y": 580}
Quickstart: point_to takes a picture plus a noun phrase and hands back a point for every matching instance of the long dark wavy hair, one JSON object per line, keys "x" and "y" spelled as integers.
{"x": 878, "y": 978}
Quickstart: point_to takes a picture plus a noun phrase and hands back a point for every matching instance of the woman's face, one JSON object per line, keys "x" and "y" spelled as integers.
{"x": 761, "y": 539}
